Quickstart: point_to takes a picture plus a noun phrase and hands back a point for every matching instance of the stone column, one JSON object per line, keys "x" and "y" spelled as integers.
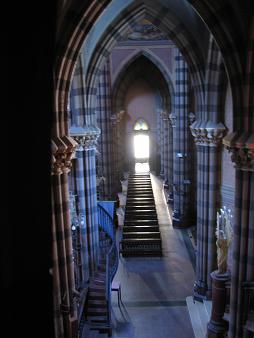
{"x": 162, "y": 145}
{"x": 87, "y": 140}
{"x": 104, "y": 111}
{"x": 241, "y": 146}
{"x": 65, "y": 309}
{"x": 117, "y": 150}
{"x": 165, "y": 119}
{"x": 208, "y": 137}
{"x": 80, "y": 184}
{"x": 180, "y": 144}
{"x": 172, "y": 119}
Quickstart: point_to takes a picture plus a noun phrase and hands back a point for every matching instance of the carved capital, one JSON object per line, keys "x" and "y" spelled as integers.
{"x": 63, "y": 150}
{"x": 86, "y": 142}
{"x": 116, "y": 118}
{"x": 172, "y": 118}
{"x": 192, "y": 118}
{"x": 207, "y": 133}
{"x": 164, "y": 116}
{"x": 86, "y": 137}
{"x": 241, "y": 147}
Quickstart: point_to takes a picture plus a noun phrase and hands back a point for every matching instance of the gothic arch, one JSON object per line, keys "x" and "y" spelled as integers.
{"x": 117, "y": 86}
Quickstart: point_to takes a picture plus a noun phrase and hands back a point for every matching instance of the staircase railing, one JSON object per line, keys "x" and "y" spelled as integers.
{"x": 106, "y": 223}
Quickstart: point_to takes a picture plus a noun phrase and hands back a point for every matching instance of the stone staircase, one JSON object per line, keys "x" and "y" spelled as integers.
{"x": 200, "y": 313}
{"x": 141, "y": 234}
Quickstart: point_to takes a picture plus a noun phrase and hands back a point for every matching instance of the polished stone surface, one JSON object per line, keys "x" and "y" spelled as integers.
{"x": 154, "y": 289}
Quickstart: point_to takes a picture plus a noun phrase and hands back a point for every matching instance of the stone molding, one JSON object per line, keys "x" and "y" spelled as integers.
{"x": 207, "y": 133}
{"x": 172, "y": 118}
{"x": 116, "y": 118}
{"x": 241, "y": 147}
{"x": 86, "y": 137}
{"x": 164, "y": 116}
{"x": 192, "y": 118}
{"x": 63, "y": 150}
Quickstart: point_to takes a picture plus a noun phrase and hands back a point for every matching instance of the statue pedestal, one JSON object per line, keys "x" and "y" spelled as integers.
{"x": 217, "y": 326}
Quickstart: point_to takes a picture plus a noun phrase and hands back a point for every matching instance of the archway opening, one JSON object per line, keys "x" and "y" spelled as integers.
{"x": 141, "y": 146}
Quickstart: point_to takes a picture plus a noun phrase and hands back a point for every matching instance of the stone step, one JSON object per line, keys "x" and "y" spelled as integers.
{"x": 141, "y": 241}
{"x": 138, "y": 212}
{"x": 141, "y": 234}
{"x": 98, "y": 319}
{"x": 140, "y": 193}
{"x": 139, "y": 179}
{"x": 140, "y": 204}
{"x": 96, "y": 287}
{"x": 137, "y": 208}
{"x": 97, "y": 295}
{"x": 138, "y": 228}
{"x": 97, "y": 303}
{"x": 141, "y": 222}
{"x": 98, "y": 311}
{"x": 137, "y": 218}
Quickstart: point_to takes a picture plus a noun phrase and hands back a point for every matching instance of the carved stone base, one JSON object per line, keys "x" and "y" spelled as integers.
{"x": 217, "y": 326}
{"x": 199, "y": 291}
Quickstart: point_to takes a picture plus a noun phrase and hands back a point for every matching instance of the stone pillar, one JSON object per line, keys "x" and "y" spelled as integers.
{"x": 165, "y": 120}
{"x": 162, "y": 145}
{"x": 80, "y": 184}
{"x": 104, "y": 111}
{"x": 117, "y": 150}
{"x": 241, "y": 146}
{"x": 87, "y": 140}
{"x": 180, "y": 143}
{"x": 217, "y": 326}
{"x": 172, "y": 119}
{"x": 208, "y": 137}
{"x": 65, "y": 308}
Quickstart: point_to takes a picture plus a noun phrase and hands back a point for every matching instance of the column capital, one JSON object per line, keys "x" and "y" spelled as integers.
{"x": 172, "y": 118}
{"x": 164, "y": 115}
{"x": 63, "y": 150}
{"x": 207, "y": 133}
{"x": 241, "y": 147}
{"x": 116, "y": 118}
{"x": 86, "y": 137}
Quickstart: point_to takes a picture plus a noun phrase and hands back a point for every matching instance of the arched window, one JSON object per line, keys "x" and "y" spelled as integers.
{"x": 141, "y": 124}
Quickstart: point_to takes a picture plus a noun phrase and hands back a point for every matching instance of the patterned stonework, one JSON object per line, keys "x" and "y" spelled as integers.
{"x": 63, "y": 150}
{"x": 241, "y": 147}
{"x": 207, "y": 133}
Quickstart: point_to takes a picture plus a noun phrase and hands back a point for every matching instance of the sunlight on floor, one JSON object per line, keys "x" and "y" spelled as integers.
{"x": 142, "y": 167}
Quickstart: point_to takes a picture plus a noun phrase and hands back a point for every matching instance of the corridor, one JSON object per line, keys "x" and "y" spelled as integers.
{"x": 154, "y": 288}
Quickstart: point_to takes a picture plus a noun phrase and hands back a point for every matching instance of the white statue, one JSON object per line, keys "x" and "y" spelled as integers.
{"x": 224, "y": 234}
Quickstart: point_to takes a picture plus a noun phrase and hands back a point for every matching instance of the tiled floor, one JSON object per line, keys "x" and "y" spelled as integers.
{"x": 154, "y": 289}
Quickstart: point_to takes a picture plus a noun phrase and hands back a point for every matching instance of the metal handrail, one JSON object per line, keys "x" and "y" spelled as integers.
{"x": 106, "y": 223}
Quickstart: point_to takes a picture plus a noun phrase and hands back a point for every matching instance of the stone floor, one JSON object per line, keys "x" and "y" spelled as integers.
{"x": 154, "y": 290}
